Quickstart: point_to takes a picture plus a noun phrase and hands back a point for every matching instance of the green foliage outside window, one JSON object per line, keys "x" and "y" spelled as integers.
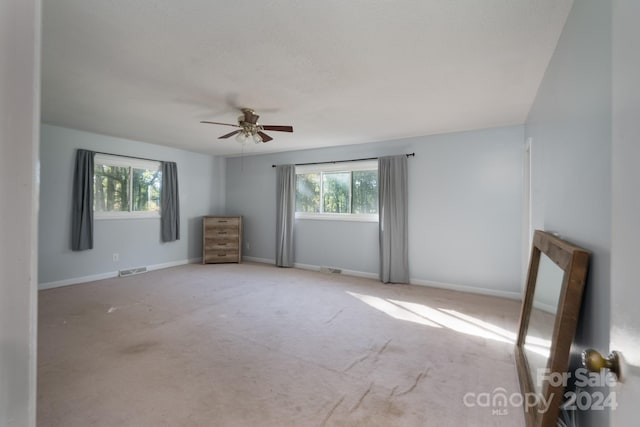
{"x": 340, "y": 192}
{"x": 308, "y": 192}
{"x": 336, "y": 197}
{"x": 111, "y": 188}
{"x": 125, "y": 189}
{"x": 146, "y": 190}
{"x": 365, "y": 192}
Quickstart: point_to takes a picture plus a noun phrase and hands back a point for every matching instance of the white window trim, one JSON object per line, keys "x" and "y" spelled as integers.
{"x": 363, "y": 165}
{"x": 127, "y": 162}
{"x": 123, "y": 161}
{"x": 337, "y": 216}
{"x": 126, "y": 215}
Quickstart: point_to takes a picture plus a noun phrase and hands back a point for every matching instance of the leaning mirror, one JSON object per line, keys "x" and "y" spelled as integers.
{"x": 557, "y": 274}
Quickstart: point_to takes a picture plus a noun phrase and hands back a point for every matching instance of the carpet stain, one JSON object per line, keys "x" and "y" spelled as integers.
{"x": 330, "y": 413}
{"x": 384, "y": 347}
{"x": 355, "y": 362}
{"x": 334, "y": 316}
{"x": 140, "y": 347}
{"x": 421, "y": 375}
{"x": 357, "y": 405}
{"x": 366, "y": 356}
{"x": 394, "y": 410}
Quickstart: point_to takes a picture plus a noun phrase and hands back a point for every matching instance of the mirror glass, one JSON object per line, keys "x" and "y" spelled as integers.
{"x": 537, "y": 343}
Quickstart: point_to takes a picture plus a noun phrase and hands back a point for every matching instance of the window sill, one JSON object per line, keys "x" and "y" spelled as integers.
{"x": 337, "y": 217}
{"x": 125, "y": 215}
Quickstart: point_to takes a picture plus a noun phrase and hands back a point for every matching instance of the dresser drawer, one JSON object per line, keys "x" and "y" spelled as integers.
{"x": 219, "y": 256}
{"x": 217, "y": 221}
{"x": 219, "y": 245}
{"x": 225, "y": 233}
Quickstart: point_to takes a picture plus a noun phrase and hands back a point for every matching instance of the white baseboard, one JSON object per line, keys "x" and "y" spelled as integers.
{"x": 363, "y": 274}
{"x": 260, "y": 260}
{"x": 174, "y": 263}
{"x": 76, "y": 280}
{"x": 111, "y": 274}
{"x": 468, "y": 289}
{"x": 306, "y": 266}
{"x": 312, "y": 267}
{"x": 346, "y": 272}
{"x": 414, "y": 281}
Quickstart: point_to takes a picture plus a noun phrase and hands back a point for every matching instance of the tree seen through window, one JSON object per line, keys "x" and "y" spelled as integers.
{"x": 337, "y": 192}
{"x": 118, "y": 187}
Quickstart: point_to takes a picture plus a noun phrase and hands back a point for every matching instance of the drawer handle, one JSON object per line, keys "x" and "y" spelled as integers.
{"x": 222, "y": 220}
{"x": 222, "y": 254}
{"x": 222, "y": 244}
{"x": 222, "y": 232}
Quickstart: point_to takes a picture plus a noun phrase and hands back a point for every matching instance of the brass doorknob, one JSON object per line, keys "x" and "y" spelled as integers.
{"x": 595, "y": 362}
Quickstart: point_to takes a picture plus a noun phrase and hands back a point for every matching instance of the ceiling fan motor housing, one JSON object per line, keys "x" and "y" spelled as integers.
{"x": 249, "y": 117}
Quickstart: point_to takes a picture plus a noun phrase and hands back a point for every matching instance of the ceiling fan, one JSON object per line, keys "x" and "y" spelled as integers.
{"x": 250, "y": 128}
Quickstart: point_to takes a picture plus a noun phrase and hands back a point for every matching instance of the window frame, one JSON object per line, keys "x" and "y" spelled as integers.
{"x": 350, "y": 167}
{"x": 131, "y": 163}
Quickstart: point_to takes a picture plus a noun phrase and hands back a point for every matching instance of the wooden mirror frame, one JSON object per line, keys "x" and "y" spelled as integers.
{"x": 574, "y": 261}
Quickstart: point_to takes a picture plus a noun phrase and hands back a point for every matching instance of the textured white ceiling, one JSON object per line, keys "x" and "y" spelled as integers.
{"x": 338, "y": 71}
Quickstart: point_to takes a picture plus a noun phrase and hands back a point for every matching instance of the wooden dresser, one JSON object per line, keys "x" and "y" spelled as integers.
{"x": 221, "y": 239}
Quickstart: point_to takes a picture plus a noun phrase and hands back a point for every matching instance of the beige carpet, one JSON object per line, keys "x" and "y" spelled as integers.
{"x": 254, "y": 345}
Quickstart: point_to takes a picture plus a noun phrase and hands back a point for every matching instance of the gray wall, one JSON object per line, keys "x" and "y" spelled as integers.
{"x": 465, "y": 209}
{"x": 19, "y": 123}
{"x": 570, "y": 124}
{"x": 137, "y": 241}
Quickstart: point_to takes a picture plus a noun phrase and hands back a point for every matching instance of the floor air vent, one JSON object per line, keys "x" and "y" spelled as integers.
{"x": 132, "y": 271}
{"x": 330, "y": 270}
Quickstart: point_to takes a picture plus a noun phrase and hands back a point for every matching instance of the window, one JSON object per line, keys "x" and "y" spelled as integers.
{"x": 345, "y": 191}
{"x": 124, "y": 187}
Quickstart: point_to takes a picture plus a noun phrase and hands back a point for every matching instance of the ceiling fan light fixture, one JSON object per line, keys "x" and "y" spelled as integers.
{"x": 256, "y": 138}
{"x": 242, "y": 137}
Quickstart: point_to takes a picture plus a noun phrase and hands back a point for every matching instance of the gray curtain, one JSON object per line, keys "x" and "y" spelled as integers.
{"x": 169, "y": 203}
{"x": 285, "y": 214}
{"x": 393, "y": 211}
{"x": 82, "y": 202}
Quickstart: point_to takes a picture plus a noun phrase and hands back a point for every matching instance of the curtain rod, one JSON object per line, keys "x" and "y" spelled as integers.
{"x": 130, "y": 157}
{"x": 342, "y": 161}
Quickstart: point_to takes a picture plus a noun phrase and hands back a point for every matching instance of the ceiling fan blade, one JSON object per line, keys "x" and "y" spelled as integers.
{"x": 264, "y": 136}
{"x": 230, "y": 134}
{"x": 278, "y": 128}
{"x": 217, "y": 123}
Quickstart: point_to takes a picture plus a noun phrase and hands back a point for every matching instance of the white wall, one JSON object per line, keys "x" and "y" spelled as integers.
{"x": 201, "y": 187}
{"x": 625, "y": 292}
{"x": 465, "y": 209}
{"x": 570, "y": 124}
{"x": 19, "y": 122}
